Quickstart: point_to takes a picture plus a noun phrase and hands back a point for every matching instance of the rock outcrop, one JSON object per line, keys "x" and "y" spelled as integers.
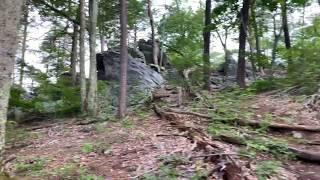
{"x": 146, "y": 48}
{"x": 142, "y": 79}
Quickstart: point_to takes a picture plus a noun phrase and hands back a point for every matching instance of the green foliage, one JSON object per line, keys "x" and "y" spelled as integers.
{"x": 33, "y": 167}
{"x": 266, "y": 85}
{"x": 68, "y": 171}
{"x": 87, "y": 148}
{"x": 277, "y": 148}
{"x": 17, "y": 99}
{"x": 303, "y": 59}
{"x": 90, "y": 177}
{"x": 60, "y": 98}
{"x": 266, "y": 169}
{"x": 181, "y": 31}
{"x": 127, "y": 123}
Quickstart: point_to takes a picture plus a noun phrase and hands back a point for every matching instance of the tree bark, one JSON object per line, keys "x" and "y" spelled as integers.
{"x": 154, "y": 43}
{"x": 206, "y": 46}
{"x": 285, "y": 25}
{"x": 253, "y": 57}
{"x": 122, "y": 111}
{"x": 10, "y": 11}
{"x": 241, "y": 71}
{"x": 83, "y": 85}
{"x": 24, "y": 42}
{"x": 256, "y": 37}
{"x": 74, "y": 53}
{"x": 275, "y": 41}
{"x": 135, "y": 40}
{"x": 102, "y": 42}
{"x": 92, "y": 94}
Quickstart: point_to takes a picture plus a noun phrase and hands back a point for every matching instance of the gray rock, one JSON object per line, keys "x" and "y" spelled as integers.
{"x": 142, "y": 79}
{"x": 146, "y": 48}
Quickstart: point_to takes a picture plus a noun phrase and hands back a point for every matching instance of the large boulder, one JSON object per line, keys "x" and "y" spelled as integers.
{"x": 146, "y": 48}
{"x": 142, "y": 79}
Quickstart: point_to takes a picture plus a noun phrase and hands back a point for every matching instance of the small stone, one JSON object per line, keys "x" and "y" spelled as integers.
{"x": 297, "y": 135}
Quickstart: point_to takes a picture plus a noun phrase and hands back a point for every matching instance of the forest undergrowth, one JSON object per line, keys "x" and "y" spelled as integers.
{"x": 224, "y": 135}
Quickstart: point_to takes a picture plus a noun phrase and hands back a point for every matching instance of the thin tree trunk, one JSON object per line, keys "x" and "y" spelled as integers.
{"x": 256, "y": 34}
{"x": 154, "y": 46}
{"x": 10, "y": 11}
{"x": 123, "y": 59}
{"x": 275, "y": 41}
{"x": 206, "y": 46}
{"x": 226, "y": 52}
{"x": 285, "y": 25}
{"x": 83, "y": 85}
{"x": 135, "y": 40}
{"x": 241, "y": 71}
{"x": 287, "y": 41}
{"x": 102, "y": 42}
{"x": 253, "y": 56}
{"x": 24, "y": 42}
{"x": 74, "y": 53}
{"x": 92, "y": 94}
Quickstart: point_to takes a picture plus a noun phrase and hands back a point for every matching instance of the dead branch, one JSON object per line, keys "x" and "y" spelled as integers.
{"x": 160, "y": 95}
{"x": 281, "y": 126}
{"x": 254, "y": 123}
{"x": 232, "y": 170}
{"x": 306, "y": 155}
{"x": 299, "y": 153}
{"x": 189, "y": 113}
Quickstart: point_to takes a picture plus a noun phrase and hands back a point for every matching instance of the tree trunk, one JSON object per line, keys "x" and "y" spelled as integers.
{"x": 10, "y": 11}
{"x": 135, "y": 40}
{"x": 227, "y": 55}
{"x": 285, "y": 27}
{"x": 275, "y": 41}
{"x": 253, "y": 57}
{"x": 285, "y": 24}
{"x": 102, "y": 42}
{"x": 256, "y": 34}
{"x": 206, "y": 46}
{"x": 241, "y": 71}
{"x": 92, "y": 94}
{"x": 83, "y": 85}
{"x": 74, "y": 53}
{"x": 24, "y": 42}
{"x": 154, "y": 45}
{"x": 123, "y": 59}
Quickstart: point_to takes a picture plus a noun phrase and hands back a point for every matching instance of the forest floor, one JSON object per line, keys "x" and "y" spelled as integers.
{"x": 145, "y": 146}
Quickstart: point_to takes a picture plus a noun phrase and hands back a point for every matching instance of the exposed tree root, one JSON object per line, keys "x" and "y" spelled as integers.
{"x": 204, "y": 140}
{"x": 230, "y": 169}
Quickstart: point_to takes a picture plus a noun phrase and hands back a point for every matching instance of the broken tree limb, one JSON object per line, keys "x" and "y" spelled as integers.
{"x": 273, "y": 125}
{"x": 189, "y": 113}
{"x": 306, "y": 155}
{"x": 281, "y": 126}
{"x": 160, "y": 95}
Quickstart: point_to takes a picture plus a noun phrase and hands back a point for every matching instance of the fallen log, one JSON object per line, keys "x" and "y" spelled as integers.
{"x": 160, "y": 95}
{"x": 273, "y": 125}
{"x": 281, "y": 126}
{"x": 306, "y": 155}
{"x": 299, "y": 153}
{"x": 189, "y": 113}
{"x": 303, "y": 155}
